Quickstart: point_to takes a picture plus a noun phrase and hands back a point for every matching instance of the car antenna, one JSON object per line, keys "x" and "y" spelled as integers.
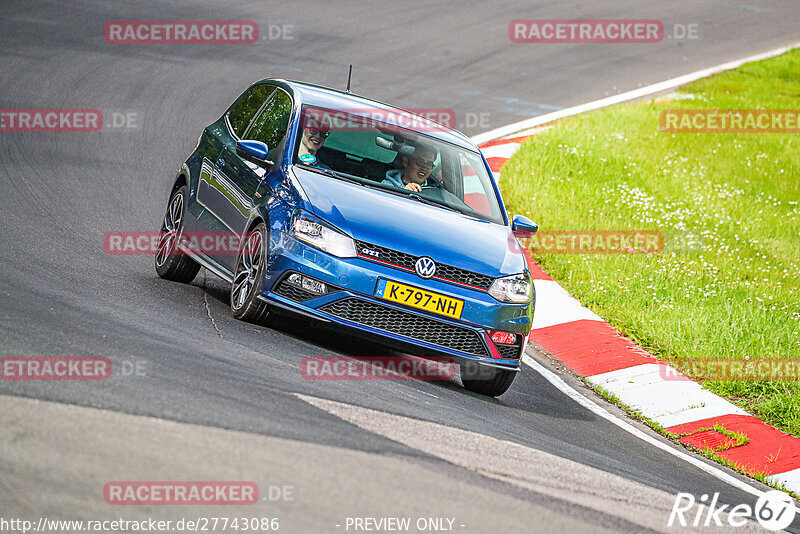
{"x": 349, "y": 75}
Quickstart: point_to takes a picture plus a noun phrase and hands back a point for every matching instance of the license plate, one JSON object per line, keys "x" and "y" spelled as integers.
{"x": 419, "y": 298}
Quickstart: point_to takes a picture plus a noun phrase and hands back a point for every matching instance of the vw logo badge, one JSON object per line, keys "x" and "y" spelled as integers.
{"x": 425, "y": 267}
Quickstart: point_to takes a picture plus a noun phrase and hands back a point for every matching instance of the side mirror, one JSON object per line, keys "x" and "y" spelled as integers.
{"x": 523, "y": 227}
{"x": 253, "y": 151}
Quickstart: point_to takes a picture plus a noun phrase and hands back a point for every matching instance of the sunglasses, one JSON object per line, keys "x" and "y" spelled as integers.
{"x": 419, "y": 162}
{"x": 318, "y": 133}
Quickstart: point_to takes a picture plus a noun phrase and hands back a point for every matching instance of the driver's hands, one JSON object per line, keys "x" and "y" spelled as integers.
{"x": 413, "y": 187}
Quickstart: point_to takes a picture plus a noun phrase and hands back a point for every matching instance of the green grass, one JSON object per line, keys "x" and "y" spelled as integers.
{"x": 727, "y": 284}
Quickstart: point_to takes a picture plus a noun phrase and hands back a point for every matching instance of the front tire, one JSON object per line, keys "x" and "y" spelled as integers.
{"x": 486, "y": 380}
{"x": 172, "y": 264}
{"x": 246, "y": 285}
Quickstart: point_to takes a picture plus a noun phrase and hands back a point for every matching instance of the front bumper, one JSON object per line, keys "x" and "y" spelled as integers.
{"x": 352, "y": 304}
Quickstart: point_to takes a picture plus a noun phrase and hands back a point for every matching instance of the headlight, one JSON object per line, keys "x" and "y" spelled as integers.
{"x": 515, "y": 288}
{"x": 307, "y": 230}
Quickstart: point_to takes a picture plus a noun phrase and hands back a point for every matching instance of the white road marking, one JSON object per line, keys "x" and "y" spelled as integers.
{"x": 518, "y": 127}
{"x": 500, "y": 151}
{"x": 667, "y": 401}
{"x": 790, "y": 479}
{"x": 561, "y": 306}
{"x": 596, "y": 409}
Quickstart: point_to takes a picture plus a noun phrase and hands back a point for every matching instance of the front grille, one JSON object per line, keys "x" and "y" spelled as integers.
{"x": 509, "y": 352}
{"x": 462, "y": 276}
{"x": 407, "y": 324}
{"x": 401, "y": 259}
{"x": 285, "y": 289}
{"x": 407, "y": 262}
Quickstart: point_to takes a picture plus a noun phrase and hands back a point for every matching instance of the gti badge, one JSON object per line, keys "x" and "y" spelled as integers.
{"x": 425, "y": 267}
{"x": 369, "y": 252}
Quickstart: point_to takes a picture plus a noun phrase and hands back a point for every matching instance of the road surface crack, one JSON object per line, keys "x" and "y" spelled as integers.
{"x": 208, "y": 306}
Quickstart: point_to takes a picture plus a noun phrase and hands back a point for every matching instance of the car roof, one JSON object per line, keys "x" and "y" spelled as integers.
{"x": 329, "y": 98}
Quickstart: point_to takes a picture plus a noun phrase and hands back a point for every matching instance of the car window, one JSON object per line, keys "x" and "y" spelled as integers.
{"x": 271, "y": 124}
{"x": 363, "y": 144}
{"x": 242, "y": 112}
{"x": 377, "y": 153}
{"x": 474, "y": 192}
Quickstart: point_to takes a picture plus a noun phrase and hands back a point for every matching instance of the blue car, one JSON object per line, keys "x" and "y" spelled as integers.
{"x": 359, "y": 214}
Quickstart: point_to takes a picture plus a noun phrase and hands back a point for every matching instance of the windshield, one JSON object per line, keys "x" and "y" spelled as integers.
{"x": 399, "y": 159}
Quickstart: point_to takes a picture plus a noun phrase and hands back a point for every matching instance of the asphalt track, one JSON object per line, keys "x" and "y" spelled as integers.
{"x": 60, "y": 294}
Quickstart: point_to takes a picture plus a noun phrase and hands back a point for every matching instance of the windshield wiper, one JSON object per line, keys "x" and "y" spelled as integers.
{"x": 431, "y": 202}
{"x": 341, "y": 176}
{"x": 392, "y": 191}
{"x": 333, "y": 174}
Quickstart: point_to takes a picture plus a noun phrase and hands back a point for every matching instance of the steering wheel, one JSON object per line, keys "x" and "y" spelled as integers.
{"x": 437, "y": 184}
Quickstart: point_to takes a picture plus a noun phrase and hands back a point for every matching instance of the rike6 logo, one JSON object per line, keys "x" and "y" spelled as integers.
{"x": 774, "y": 510}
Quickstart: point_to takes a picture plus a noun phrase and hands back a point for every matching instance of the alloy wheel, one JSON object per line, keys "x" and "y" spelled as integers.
{"x": 248, "y": 270}
{"x": 170, "y": 229}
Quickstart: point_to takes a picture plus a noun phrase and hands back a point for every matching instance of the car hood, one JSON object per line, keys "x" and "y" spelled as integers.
{"x": 402, "y": 224}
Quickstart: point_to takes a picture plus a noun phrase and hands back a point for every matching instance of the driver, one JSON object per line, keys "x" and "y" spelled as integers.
{"x": 314, "y": 135}
{"x": 416, "y": 169}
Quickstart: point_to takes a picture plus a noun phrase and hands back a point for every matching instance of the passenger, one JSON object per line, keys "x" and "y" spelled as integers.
{"x": 416, "y": 170}
{"x": 314, "y": 135}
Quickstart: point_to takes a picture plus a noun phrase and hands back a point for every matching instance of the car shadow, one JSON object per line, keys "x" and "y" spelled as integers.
{"x": 303, "y": 328}
{"x": 332, "y": 338}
